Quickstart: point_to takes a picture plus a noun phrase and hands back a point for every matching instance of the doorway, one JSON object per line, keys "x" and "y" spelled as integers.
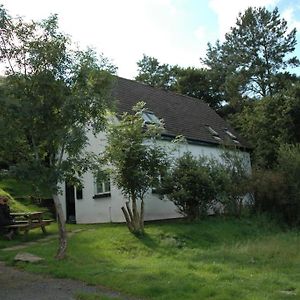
{"x": 70, "y": 203}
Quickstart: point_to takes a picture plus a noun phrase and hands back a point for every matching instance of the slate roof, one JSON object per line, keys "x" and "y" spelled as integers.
{"x": 182, "y": 115}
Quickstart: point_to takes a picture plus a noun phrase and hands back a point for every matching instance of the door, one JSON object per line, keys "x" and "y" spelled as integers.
{"x": 70, "y": 203}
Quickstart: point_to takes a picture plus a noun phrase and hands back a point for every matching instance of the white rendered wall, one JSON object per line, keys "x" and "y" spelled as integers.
{"x": 104, "y": 210}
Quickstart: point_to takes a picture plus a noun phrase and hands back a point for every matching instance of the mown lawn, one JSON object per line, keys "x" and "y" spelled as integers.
{"x": 213, "y": 259}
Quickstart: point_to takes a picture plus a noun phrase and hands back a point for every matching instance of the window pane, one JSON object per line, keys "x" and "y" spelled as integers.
{"x": 102, "y": 182}
{"x": 99, "y": 187}
{"x": 107, "y": 186}
{"x": 150, "y": 117}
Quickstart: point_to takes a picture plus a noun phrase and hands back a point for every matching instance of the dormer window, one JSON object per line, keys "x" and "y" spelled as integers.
{"x": 230, "y": 134}
{"x": 217, "y": 138}
{"x": 214, "y": 133}
{"x": 150, "y": 118}
{"x": 233, "y": 137}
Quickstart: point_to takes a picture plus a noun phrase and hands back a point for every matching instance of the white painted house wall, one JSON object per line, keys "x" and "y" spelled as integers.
{"x": 104, "y": 210}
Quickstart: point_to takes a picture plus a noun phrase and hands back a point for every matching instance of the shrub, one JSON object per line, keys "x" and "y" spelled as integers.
{"x": 192, "y": 185}
{"x": 277, "y": 191}
{"x": 289, "y": 167}
{"x": 236, "y": 185}
{"x": 270, "y": 191}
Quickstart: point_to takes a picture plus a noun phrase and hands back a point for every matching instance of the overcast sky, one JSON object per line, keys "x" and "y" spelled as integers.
{"x": 173, "y": 31}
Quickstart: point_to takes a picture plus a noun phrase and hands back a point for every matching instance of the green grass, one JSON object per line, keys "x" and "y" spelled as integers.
{"x": 21, "y": 194}
{"x": 21, "y": 188}
{"x": 213, "y": 259}
{"x": 34, "y": 235}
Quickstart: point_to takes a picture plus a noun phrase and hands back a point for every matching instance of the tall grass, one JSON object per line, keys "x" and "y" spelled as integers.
{"x": 212, "y": 259}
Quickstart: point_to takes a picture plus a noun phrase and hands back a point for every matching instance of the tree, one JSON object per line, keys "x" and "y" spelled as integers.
{"x": 193, "y": 184}
{"x": 136, "y": 161}
{"x": 193, "y": 82}
{"x": 52, "y": 96}
{"x": 270, "y": 122}
{"x": 151, "y": 72}
{"x": 255, "y": 52}
{"x": 199, "y": 83}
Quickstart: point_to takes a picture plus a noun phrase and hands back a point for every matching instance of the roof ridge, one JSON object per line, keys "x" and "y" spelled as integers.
{"x": 167, "y": 91}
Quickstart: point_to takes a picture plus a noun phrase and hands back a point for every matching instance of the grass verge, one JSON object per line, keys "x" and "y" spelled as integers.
{"x": 212, "y": 259}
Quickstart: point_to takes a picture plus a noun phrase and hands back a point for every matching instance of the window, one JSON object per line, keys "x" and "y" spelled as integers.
{"x": 217, "y": 138}
{"x": 230, "y": 134}
{"x": 102, "y": 185}
{"x": 233, "y": 137}
{"x": 150, "y": 118}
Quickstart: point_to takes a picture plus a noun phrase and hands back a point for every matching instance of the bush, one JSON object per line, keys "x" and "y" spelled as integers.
{"x": 270, "y": 192}
{"x": 277, "y": 191}
{"x": 192, "y": 185}
{"x": 289, "y": 167}
{"x": 236, "y": 185}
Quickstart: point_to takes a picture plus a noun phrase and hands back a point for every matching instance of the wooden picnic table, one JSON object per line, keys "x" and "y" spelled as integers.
{"x": 25, "y": 221}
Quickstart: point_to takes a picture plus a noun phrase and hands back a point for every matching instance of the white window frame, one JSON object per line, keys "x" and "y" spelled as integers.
{"x": 105, "y": 187}
{"x": 150, "y": 118}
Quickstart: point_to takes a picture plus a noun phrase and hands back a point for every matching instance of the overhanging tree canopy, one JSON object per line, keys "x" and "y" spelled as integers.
{"x": 51, "y": 95}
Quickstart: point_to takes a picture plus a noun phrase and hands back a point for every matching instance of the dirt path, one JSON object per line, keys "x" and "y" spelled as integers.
{"x": 16, "y": 284}
{"x": 19, "y": 285}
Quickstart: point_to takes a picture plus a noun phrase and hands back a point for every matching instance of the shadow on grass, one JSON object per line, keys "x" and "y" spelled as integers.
{"x": 148, "y": 241}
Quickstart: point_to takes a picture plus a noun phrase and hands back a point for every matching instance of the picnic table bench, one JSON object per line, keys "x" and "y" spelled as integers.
{"x": 25, "y": 221}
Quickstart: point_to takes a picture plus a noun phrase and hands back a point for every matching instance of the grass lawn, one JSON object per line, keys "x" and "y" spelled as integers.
{"x": 212, "y": 259}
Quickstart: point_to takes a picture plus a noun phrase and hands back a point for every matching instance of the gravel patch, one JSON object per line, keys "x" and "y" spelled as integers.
{"x": 19, "y": 285}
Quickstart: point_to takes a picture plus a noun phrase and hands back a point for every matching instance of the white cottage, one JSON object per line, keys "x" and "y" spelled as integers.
{"x": 204, "y": 130}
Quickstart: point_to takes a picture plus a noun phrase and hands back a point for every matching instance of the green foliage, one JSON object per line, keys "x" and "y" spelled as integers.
{"x": 237, "y": 179}
{"x": 213, "y": 259}
{"x": 151, "y": 72}
{"x": 21, "y": 189}
{"x": 137, "y": 163}
{"x": 270, "y": 192}
{"x": 270, "y": 122}
{"x": 253, "y": 56}
{"x": 253, "y": 62}
{"x": 193, "y": 82}
{"x": 193, "y": 184}
{"x": 277, "y": 191}
{"x": 18, "y": 205}
{"x": 51, "y": 95}
{"x": 289, "y": 167}
{"x": 136, "y": 158}
{"x": 199, "y": 83}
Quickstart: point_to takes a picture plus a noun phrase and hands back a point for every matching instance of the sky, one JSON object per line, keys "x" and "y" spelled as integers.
{"x": 173, "y": 31}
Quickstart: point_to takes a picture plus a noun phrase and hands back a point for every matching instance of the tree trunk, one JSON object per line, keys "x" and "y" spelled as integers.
{"x": 61, "y": 251}
{"x": 136, "y": 215}
{"x": 128, "y": 217}
{"x": 134, "y": 219}
{"x": 142, "y": 216}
